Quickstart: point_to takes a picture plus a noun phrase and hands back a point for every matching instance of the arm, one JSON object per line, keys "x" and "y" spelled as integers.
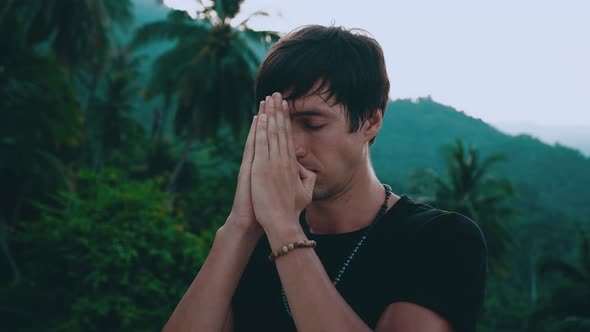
{"x": 206, "y": 304}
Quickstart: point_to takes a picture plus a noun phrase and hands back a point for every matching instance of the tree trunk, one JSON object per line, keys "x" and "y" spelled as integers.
{"x": 87, "y": 117}
{"x": 183, "y": 158}
{"x": 91, "y": 114}
{"x": 6, "y": 251}
{"x": 533, "y": 275}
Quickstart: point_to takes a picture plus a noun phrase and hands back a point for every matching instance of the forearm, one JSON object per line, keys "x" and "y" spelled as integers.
{"x": 315, "y": 303}
{"x": 205, "y": 304}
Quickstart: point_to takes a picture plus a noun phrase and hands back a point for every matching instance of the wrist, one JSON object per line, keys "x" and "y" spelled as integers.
{"x": 280, "y": 236}
{"x": 245, "y": 230}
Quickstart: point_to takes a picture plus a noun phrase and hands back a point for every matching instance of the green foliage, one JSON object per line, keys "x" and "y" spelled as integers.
{"x": 77, "y": 31}
{"x": 40, "y": 126}
{"x": 112, "y": 259}
{"x": 211, "y": 69}
{"x": 208, "y": 203}
{"x": 117, "y": 137}
{"x": 567, "y": 306}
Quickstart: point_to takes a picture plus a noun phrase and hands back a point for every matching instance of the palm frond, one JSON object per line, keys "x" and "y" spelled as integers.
{"x": 227, "y": 9}
{"x": 566, "y": 269}
{"x": 255, "y": 14}
{"x": 258, "y": 41}
{"x": 487, "y": 163}
{"x": 169, "y": 29}
{"x": 169, "y": 68}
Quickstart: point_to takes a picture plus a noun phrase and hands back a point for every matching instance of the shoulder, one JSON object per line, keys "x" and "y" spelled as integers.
{"x": 427, "y": 226}
{"x": 446, "y": 264}
{"x": 450, "y": 227}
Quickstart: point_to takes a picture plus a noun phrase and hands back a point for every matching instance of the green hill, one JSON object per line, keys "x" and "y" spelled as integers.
{"x": 547, "y": 177}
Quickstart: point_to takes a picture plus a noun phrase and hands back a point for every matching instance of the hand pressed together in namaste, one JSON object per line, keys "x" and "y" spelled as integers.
{"x": 280, "y": 187}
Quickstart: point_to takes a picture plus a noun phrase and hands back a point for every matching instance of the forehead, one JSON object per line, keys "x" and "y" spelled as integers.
{"x": 317, "y": 104}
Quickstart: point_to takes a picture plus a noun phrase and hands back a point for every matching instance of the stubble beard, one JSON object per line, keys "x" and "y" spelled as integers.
{"x": 321, "y": 192}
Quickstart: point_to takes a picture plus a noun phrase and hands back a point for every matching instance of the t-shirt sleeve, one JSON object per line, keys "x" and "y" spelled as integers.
{"x": 447, "y": 270}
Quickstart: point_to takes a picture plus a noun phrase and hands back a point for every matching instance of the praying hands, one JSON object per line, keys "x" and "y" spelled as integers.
{"x": 280, "y": 187}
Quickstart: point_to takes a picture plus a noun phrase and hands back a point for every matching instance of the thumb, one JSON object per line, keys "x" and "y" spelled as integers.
{"x": 307, "y": 177}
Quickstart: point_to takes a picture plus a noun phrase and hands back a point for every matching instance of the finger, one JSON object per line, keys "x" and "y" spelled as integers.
{"x": 250, "y": 150}
{"x": 271, "y": 130}
{"x": 261, "y": 141}
{"x": 262, "y": 107}
{"x": 281, "y": 130}
{"x": 261, "y": 110}
{"x": 287, "y": 115}
{"x": 249, "y": 147}
{"x": 248, "y": 158}
{"x": 307, "y": 177}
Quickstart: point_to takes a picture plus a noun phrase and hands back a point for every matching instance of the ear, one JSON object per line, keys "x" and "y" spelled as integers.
{"x": 372, "y": 125}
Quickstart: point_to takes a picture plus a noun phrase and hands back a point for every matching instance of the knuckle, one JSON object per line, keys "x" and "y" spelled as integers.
{"x": 273, "y": 133}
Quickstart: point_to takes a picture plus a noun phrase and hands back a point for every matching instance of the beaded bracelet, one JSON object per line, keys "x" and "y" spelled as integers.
{"x": 290, "y": 247}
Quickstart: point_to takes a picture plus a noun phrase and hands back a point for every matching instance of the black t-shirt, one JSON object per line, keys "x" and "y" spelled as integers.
{"x": 415, "y": 253}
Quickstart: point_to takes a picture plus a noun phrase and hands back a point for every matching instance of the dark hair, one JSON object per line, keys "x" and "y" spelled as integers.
{"x": 349, "y": 64}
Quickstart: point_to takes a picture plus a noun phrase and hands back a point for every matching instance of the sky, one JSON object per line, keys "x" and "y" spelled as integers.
{"x": 507, "y": 62}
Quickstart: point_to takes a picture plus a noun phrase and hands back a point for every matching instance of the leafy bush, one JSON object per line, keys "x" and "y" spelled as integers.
{"x": 113, "y": 258}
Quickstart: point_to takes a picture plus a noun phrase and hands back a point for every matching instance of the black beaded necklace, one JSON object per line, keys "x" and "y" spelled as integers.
{"x": 382, "y": 210}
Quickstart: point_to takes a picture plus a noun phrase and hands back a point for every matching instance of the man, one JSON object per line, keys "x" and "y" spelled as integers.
{"x": 380, "y": 262}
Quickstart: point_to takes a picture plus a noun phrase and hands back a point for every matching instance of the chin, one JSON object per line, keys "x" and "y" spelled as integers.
{"x": 320, "y": 193}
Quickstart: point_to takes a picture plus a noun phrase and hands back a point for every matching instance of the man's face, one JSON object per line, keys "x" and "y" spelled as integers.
{"x": 324, "y": 145}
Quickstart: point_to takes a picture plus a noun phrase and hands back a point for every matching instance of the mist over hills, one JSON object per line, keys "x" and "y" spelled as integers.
{"x": 575, "y": 136}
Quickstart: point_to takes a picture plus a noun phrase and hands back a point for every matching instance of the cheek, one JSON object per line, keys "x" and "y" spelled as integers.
{"x": 337, "y": 151}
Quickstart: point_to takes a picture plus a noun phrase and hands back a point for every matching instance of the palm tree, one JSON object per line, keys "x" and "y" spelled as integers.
{"x": 117, "y": 134}
{"x": 567, "y": 308}
{"x": 80, "y": 34}
{"x": 469, "y": 189}
{"x": 210, "y": 70}
{"x": 77, "y": 31}
{"x": 40, "y": 123}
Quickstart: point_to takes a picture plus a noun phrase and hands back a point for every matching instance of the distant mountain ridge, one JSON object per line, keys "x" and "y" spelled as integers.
{"x": 414, "y": 130}
{"x": 575, "y": 136}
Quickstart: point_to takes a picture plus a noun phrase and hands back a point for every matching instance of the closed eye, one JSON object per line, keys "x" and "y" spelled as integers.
{"x": 314, "y": 127}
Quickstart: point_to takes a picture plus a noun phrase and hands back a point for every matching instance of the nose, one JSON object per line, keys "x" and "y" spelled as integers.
{"x": 299, "y": 143}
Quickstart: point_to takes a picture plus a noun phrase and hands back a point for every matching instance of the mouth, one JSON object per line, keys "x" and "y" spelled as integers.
{"x": 309, "y": 169}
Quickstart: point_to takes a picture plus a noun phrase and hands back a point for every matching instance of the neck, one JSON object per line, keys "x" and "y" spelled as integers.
{"x": 354, "y": 207}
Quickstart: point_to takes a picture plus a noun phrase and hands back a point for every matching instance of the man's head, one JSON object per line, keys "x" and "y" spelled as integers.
{"x": 335, "y": 80}
{"x": 348, "y": 63}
